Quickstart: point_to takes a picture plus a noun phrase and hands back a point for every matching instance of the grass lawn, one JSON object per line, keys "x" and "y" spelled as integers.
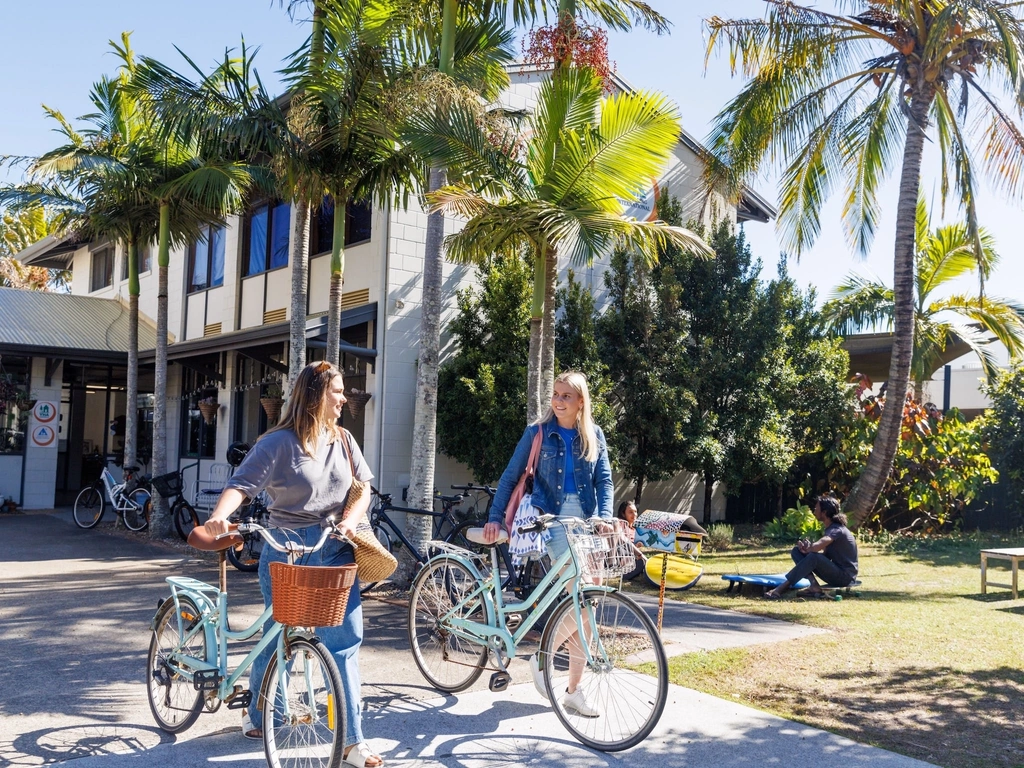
{"x": 921, "y": 663}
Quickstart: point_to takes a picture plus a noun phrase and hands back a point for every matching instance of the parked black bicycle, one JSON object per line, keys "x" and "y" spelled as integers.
{"x": 171, "y": 486}
{"x": 447, "y": 525}
{"x": 246, "y": 556}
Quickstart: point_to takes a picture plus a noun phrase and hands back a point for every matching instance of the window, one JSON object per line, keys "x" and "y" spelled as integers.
{"x": 198, "y": 438}
{"x": 266, "y": 238}
{"x": 14, "y": 405}
{"x": 206, "y": 260}
{"x": 145, "y": 261}
{"x": 102, "y": 269}
{"x": 357, "y": 226}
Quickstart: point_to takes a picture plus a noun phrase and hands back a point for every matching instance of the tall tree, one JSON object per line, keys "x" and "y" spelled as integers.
{"x": 18, "y": 230}
{"x": 851, "y": 96}
{"x": 559, "y": 190}
{"x": 944, "y": 254}
{"x": 620, "y": 14}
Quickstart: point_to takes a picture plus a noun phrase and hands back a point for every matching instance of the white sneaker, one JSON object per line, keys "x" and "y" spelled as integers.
{"x": 577, "y": 702}
{"x": 538, "y": 676}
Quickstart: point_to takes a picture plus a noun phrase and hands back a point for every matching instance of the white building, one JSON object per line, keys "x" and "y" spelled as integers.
{"x": 228, "y": 316}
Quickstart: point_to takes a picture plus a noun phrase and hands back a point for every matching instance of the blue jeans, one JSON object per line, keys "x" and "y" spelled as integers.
{"x": 557, "y": 543}
{"x": 343, "y": 641}
{"x": 819, "y": 565}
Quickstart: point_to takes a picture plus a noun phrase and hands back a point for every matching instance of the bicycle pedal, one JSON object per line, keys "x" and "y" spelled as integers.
{"x": 499, "y": 681}
{"x": 513, "y": 621}
{"x": 206, "y": 680}
{"x": 240, "y": 699}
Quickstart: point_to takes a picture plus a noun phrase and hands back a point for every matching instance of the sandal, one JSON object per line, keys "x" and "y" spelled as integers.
{"x": 361, "y": 756}
{"x": 772, "y": 596}
{"x": 248, "y": 729}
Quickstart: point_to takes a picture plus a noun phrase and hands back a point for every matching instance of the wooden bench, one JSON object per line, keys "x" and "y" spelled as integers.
{"x": 1014, "y": 555}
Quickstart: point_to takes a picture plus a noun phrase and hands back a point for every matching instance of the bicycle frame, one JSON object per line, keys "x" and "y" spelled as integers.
{"x": 379, "y": 516}
{"x": 218, "y": 635}
{"x": 114, "y": 491}
{"x": 564, "y": 574}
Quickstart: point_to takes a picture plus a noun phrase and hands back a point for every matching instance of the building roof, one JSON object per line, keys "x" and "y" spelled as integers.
{"x": 870, "y": 354}
{"x": 53, "y": 252}
{"x": 68, "y": 326}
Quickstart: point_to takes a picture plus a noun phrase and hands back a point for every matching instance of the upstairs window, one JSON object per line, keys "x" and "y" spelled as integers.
{"x": 102, "y": 269}
{"x": 145, "y": 260}
{"x": 321, "y": 231}
{"x": 206, "y": 260}
{"x": 266, "y": 237}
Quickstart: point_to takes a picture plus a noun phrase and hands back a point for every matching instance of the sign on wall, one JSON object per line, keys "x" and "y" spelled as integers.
{"x": 45, "y": 411}
{"x": 43, "y": 436}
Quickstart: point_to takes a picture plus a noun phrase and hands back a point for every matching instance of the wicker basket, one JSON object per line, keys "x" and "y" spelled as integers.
{"x": 209, "y": 411}
{"x": 167, "y": 485}
{"x": 357, "y": 401}
{"x": 272, "y": 407}
{"x": 310, "y": 596}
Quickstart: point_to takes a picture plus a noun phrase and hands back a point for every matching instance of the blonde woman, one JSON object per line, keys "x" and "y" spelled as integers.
{"x": 573, "y": 478}
{"x": 303, "y": 464}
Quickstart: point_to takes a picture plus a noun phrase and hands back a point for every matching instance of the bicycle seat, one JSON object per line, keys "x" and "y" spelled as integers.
{"x": 476, "y": 535}
{"x": 204, "y": 542}
{"x": 451, "y": 499}
{"x": 131, "y": 469}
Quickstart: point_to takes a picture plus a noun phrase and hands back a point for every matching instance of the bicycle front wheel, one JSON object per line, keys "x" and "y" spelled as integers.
{"x": 304, "y": 710}
{"x": 173, "y": 699}
{"x": 89, "y": 507}
{"x": 449, "y": 662}
{"x": 621, "y": 692}
{"x": 138, "y": 506}
{"x": 185, "y": 518}
{"x": 682, "y": 571}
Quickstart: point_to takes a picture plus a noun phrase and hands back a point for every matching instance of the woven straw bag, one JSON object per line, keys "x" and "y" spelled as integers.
{"x": 373, "y": 561}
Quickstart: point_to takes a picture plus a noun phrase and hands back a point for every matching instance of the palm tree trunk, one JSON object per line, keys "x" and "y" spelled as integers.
{"x": 300, "y": 291}
{"x": 424, "y": 434}
{"x": 424, "y": 430}
{"x": 534, "y": 365}
{"x": 337, "y": 281}
{"x": 547, "y": 360}
{"x": 132, "y": 395}
{"x": 160, "y": 523}
{"x": 869, "y": 486}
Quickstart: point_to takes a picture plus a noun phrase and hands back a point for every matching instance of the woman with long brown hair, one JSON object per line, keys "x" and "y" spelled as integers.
{"x": 305, "y": 466}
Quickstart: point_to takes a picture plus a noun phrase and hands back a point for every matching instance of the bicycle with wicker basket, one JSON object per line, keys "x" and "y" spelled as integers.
{"x": 459, "y": 620}
{"x": 301, "y": 694}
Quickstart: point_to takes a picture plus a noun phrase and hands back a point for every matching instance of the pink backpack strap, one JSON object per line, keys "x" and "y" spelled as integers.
{"x": 531, "y": 463}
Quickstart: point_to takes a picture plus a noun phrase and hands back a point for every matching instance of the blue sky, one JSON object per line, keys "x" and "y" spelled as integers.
{"x": 54, "y": 52}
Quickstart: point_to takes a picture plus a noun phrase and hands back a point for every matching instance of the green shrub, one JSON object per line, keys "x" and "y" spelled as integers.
{"x": 796, "y": 523}
{"x": 720, "y": 536}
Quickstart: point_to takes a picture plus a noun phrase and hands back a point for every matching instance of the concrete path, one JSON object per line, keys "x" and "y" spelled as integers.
{"x": 75, "y": 608}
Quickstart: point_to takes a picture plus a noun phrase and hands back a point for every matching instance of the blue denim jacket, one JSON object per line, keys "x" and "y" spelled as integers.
{"x": 593, "y": 478}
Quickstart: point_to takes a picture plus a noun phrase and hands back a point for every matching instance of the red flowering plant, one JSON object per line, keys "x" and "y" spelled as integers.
{"x": 571, "y": 40}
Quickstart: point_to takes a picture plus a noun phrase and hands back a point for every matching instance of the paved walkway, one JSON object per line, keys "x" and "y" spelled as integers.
{"x": 75, "y": 608}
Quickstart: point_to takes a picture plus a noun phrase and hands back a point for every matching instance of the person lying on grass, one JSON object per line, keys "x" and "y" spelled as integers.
{"x": 833, "y": 557}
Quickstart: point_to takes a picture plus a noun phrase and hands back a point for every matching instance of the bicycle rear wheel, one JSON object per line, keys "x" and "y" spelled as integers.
{"x": 450, "y": 662}
{"x": 622, "y": 691}
{"x": 682, "y": 572}
{"x": 89, "y": 507}
{"x": 385, "y": 541}
{"x": 304, "y": 709}
{"x": 173, "y": 699}
{"x": 138, "y": 506}
{"x": 185, "y": 518}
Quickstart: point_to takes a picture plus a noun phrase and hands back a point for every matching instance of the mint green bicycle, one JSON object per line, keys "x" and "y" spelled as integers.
{"x": 301, "y": 695}
{"x": 458, "y": 617}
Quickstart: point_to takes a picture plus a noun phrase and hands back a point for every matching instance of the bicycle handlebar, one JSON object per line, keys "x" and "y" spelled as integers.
{"x": 471, "y": 487}
{"x": 543, "y": 522}
{"x": 290, "y": 546}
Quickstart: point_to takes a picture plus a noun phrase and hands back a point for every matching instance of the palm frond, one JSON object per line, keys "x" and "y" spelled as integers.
{"x": 858, "y": 303}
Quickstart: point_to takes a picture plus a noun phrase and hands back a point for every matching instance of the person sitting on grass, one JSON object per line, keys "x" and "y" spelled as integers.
{"x": 833, "y": 557}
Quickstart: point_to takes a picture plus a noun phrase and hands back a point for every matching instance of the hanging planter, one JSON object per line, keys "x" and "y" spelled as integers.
{"x": 357, "y": 400}
{"x": 208, "y": 406}
{"x": 272, "y": 407}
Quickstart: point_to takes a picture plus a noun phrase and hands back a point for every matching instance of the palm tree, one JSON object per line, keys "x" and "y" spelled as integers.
{"x": 851, "y": 95}
{"x": 943, "y": 255}
{"x": 93, "y": 181}
{"x": 559, "y": 191}
{"x": 18, "y": 230}
{"x": 620, "y": 15}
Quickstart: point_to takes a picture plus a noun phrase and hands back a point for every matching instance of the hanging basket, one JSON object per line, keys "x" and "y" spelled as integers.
{"x": 26, "y": 404}
{"x": 272, "y": 407}
{"x": 209, "y": 411}
{"x": 357, "y": 400}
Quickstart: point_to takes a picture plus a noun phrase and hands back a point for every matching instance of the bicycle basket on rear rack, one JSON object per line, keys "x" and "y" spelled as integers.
{"x": 167, "y": 485}
{"x": 605, "y": 554}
